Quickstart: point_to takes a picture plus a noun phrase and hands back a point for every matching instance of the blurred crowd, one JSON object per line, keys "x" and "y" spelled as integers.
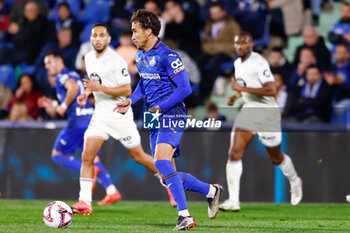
{"x": 314, "y": 87}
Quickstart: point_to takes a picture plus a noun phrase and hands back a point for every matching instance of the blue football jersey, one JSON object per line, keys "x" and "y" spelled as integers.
{"x": 77, "y": 116}
{"x": 156, "y": 68}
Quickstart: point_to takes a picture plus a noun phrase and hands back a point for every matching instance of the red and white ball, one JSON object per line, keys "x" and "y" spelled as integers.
{"x": 57, "y": 214}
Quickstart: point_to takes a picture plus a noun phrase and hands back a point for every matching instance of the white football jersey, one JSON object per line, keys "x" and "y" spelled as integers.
{"x": 254, "y": 73}
{"x": 109, "y": 70}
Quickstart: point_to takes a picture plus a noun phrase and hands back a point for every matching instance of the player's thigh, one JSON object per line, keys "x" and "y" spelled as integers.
{"x": 92, "y": 146}
{"x": 68, "y": 140}
{"x": 125, "y": 131}
{"x": 240, "y": 138}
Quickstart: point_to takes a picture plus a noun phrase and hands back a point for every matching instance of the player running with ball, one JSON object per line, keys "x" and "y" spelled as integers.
{"x": 164, "y": 84}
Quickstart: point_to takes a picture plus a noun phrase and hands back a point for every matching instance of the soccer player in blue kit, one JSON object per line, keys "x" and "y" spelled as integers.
{"x": 68, "y": 86}
{"x": 164, "y": 84}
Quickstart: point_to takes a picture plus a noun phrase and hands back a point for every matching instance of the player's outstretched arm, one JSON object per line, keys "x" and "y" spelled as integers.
{"x": 124, "y": 106}
{"x": 183, "y": 89}
{"x": 123, "y": 90}
{"x": 72, "y": 92}
{"x": 268, "y": 89}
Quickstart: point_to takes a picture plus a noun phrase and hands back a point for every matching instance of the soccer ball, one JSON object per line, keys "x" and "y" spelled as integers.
{"x": 57, "y": 214}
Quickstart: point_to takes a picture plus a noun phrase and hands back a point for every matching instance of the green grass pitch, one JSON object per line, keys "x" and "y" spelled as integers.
{"x": 144, "y": 216}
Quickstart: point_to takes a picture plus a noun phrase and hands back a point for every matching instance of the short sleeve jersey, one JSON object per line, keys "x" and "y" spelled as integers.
{"x": 108, "y": 70}
{"x": 76, "y": 115}
{"x": 254, "y": 73}
{"x": 156, "y": 68}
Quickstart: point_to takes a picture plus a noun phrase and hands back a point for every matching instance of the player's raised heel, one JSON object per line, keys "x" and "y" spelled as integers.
{"x": 213, "y": 203}
{"x": 296, "y": 192}
{"x": 184, "y": 223}
{"x": 230, "y": 205}
{"x": 111, "y": 198}
{"x": 81, "y": 207}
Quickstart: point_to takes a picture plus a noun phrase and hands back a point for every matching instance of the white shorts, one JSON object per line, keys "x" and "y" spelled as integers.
{"x": 266, "y": 122}
{"x": 121, "y": 128}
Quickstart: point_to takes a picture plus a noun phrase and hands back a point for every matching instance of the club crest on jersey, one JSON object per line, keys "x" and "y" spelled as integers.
{"x": 152, "y": 62}
{"x": 266, "y": 73}
{"x": 95, "y": 78}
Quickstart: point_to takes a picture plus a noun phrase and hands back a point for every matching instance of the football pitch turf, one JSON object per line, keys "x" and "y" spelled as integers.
{"x": 145, "y": 216}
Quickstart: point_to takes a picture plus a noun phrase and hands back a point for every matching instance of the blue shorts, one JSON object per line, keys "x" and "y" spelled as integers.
{"x": 70, "y": 139}
{"x": 170, "y": 135}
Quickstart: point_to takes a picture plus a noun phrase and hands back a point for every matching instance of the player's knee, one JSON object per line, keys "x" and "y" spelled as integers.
{"x": 234, "y": 155}
{"x": 275, "y": 158}
{"x": 87, "y": 157}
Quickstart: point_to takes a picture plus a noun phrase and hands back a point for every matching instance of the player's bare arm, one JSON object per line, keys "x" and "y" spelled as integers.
{"x": 268, "y": 89}
{"x": 72, "y": 91}
{"x": 123, "y": 90}
{"x": 155, "y": 109}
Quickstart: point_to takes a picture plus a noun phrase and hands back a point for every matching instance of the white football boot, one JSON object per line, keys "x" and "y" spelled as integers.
{"x": 230, "y": 206}
{"x": 296, "y": 192}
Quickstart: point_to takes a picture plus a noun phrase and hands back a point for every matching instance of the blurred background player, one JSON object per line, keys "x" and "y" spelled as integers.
{"x": 68, "y": 86}
{"x": 164, "y": 84}
{"x": 110, "y": 82}
{"x": 259, "y": 115}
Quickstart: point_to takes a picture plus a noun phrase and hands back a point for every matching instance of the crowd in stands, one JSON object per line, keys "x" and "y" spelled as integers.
{"x": 314, "y": 87}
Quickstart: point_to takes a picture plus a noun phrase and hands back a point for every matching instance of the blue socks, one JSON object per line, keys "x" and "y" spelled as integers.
{"x": 73, "y": 164}
{"x": 172, "y": 179}
{"x": 67, "y": 161}
{"x": 191, "y": 183}
{"x": 103, "y": 177}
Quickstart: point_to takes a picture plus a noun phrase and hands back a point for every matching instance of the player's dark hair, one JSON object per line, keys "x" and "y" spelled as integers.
{"x": 64, "y": 4}
{"x": 101, "y": 25}
{"x": 55, "y": 53}
{"x": 277, "y": 49}
{"x": 245, "y": 33}
{"x": 146, "y": 20}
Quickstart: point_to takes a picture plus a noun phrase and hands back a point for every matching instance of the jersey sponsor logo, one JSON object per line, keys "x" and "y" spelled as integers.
{"x": 125, "y": 72}
{"x": 96, "y": 78}
{"x": 152, "y": 62}
{"x": 172, "y": 55}
{"x": 177, "y": 65}
{"x": 150, "y": 76}
{"x": 267, "y": 73}
{"x": 241, "y": 82}
{"x": 83, "y": 111}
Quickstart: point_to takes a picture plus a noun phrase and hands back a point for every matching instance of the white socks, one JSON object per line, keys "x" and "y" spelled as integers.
{"x": 111, "y": 189}
{"x": 212, "y": 191}
{"x": 85, "y": 189}
{"x": 234, "y": 171}
{"x": 184, "y": 213}
{"x": 288, "y": 170}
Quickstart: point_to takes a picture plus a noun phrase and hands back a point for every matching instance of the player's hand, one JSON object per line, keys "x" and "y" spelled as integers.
{"x": 231, "y": 100}
{"x": 234, "y": 85}
{"x": 155, "y": 109}
{"x": 123, "y": 106}
{"x": 61, "y": 110}
{"x": 82, "y": 100}
{"x": 91, "y": 85}
{"x": 44, "y": 102}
